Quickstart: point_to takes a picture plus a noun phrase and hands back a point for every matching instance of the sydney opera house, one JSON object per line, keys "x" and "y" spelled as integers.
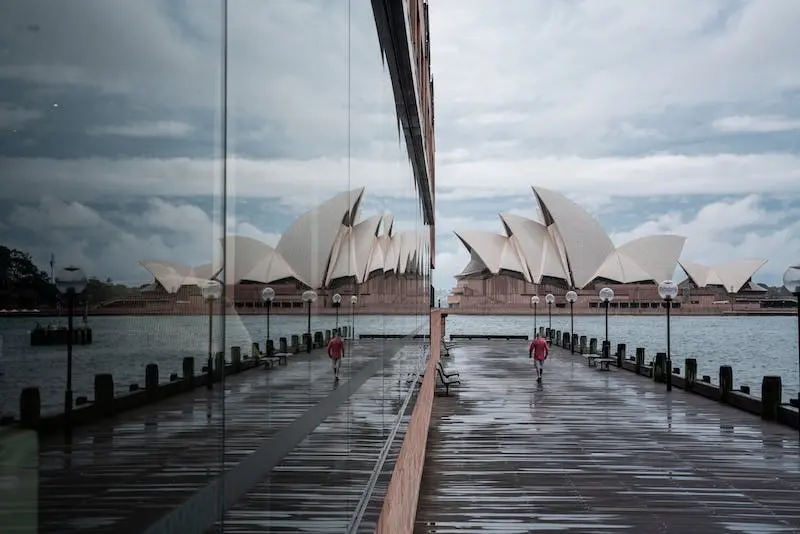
{"x": 327, "y": 249}
{"x": 568, "y": 249}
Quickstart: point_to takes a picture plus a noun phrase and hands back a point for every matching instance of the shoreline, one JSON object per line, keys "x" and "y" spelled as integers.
{"x": 409, "y": 312}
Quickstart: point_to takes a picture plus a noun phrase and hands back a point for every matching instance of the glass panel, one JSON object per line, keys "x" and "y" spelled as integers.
{"x": 219, "y": 173}
{"x": 110, "y": 146}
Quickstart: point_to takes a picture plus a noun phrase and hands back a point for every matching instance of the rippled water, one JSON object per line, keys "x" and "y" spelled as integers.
{"x": 123, "y": 346}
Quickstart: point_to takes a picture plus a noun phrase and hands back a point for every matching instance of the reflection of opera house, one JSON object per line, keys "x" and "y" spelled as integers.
{"x": 327, "y": 249}
{"x": 570, "y": 250}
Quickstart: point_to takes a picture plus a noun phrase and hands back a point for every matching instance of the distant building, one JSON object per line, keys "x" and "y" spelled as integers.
{"x": 570, "y": 250}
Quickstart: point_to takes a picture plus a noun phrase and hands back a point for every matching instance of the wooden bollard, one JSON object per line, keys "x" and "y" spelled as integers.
{"x": 606, "y": 350}
{"x": 236, "y": 359}
{"x": 104, "y": 394}
{"x": 319, "y": 339}
{"x": 173, "y": 377}
{"x": 219, "y": 365}
{"x": 283, "y": 345}
{"x": 30, "y": 408}
{"x": 771, "y": 392}
{"x": 133, "y": 387}
{"x": 559, "y": 338}
{"x": 345, "y": 331}
{"x": 81, "y": 401}
{"x": 188, "y": 370}
{"x": 660, "y": 367}
{"x": 541, "y": 331}
{"x": 593, "y": 345}
{"x": 582, "y": 344}
{"x": 573, "y": 343}
{"x": 707, "y": 379}
{"x": 328, "y": 336}
{"x": 151, "y": 379}
{"x": 691, "y": 374}
{"x": 639, "y": 359}
{"x": 547, "y": 332}
{"x": 269, "y": 350}
{"x": 745, "y": 389}
{"x": 725, "y": 382}
{"x": 255, "y": 351}
{"x": 295, "y": 343}
{"x": 307, "y": 342}
{"x": 621, "y": 349}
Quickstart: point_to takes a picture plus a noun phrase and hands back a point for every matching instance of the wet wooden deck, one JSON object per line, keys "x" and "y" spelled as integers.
{"x": 592, "y": 451}
{"x": 124, "y": 474}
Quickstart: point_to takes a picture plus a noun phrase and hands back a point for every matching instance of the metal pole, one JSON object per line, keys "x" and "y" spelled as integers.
{"x": 209, "y": 382}
{"x": 269, "y": 309}
{"x": 534, "y": 319}
{"x": 669, "y": 351}
{"x": 550, "y": 315}
{"x": 68, "y": 392}
{"x": 337, "y": 319}
{"x": 571, "y": 328}
{"x": 308, "y": 329}
{"x": 606, "y": 320}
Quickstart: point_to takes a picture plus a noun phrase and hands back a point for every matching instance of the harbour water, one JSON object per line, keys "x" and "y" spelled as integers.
{"x": 123, "y": 346}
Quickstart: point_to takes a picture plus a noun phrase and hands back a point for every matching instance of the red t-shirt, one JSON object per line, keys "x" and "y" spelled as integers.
{"x": 539, "y": 349}
{"x": 335, "y": 348}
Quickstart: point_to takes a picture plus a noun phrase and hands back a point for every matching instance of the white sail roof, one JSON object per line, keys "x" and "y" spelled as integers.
{"x": 570, "y": 245}
{"x": 732, "y": 275}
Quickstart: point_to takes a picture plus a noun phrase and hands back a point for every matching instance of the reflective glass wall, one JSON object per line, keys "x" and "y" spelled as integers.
{"x": 215, "y": 268}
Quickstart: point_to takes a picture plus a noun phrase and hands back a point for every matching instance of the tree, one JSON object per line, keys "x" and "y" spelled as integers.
{"x": 22, "y": 283}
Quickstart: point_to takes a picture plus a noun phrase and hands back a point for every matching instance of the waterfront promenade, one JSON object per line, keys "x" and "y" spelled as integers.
{"x": 593, "y": 451}
{"x": 317, "y": 440}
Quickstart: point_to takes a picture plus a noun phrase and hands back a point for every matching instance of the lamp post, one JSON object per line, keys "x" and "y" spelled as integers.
{"x": 353, "y": 302}
{"x": 571, "y": 297}
{"x": 668, "y": 290}
{"x": 791, "y": 281}
{"x": 606, "y": 295}
{"x": 211, "y": 291}
{"x": 309, "y": 297}
{"x": 70, "y": 281}
{"x": 267, "y": 296}
{"x": 535, "y": 305}
{"x": 549, "y": 299}
{"x": 337, "y": 302}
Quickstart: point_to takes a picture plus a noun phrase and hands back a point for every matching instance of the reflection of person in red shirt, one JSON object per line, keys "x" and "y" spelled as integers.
{"x": 335, "y": 353}
{"x": 538, "y": 351}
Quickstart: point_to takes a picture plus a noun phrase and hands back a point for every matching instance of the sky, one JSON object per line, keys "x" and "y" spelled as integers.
{"x": 657, "y": 117}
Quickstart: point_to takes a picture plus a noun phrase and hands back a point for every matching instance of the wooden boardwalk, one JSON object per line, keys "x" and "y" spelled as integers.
{"x": 320, "y": 441}
{"x": 592, "y": 451}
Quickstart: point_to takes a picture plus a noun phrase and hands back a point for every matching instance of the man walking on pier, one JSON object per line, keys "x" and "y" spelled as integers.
{"x": 538, "y": 351}
{"x": 335, "y": 353}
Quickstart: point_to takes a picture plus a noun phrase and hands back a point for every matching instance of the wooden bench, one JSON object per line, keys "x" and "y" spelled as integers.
{"x": 278, "y": 358}
{"x": 605, "y": 363}
{"x": 445, "y": 381}
{"x": 444, "y": 372}
{"x": 591, "y": 359}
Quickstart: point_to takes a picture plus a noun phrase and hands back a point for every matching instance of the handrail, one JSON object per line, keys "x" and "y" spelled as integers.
{"x": 366, "y": 495}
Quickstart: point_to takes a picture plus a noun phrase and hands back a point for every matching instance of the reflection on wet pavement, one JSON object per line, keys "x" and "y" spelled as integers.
{"x": 122, "y": 474}
{"x": 593, "y": 451}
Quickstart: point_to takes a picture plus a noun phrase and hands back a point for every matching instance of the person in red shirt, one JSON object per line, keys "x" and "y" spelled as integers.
{"x": 538, "y": 351}
{"x": 335, "y": 353}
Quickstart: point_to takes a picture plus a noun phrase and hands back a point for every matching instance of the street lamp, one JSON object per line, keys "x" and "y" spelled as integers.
{"x": 791, "y": 281}
{"x": 571, "y": 297}
{"x": 353, "y": 302}
{"x": 267, "y": 296}
{"x": 70, "y": 281}
{"x": 337, "y": 302}
{"x": 668, "y": 290}
{"x": 549, "y": 299}
{"x": 606, "y": 295}
{"x": 535, "y": 304}
{"x": 309, "y": 297}
{"x": 211, "y": 291}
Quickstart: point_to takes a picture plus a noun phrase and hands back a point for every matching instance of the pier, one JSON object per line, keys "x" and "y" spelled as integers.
{"x": 389, "y": 449}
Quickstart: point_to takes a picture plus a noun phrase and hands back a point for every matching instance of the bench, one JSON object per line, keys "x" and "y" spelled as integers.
{"x": 269, "y": 363}
{"x": 445, "y": 373}
{"x": 445, "y": 381}
{"x": 591, "y": 359}
{"x": 279, "y": 358}
{"x": 605, "y": 363}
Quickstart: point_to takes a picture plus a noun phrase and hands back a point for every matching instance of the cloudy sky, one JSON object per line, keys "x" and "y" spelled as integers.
{"x": 671, "y": 116}
{"x": 658, "y": 116}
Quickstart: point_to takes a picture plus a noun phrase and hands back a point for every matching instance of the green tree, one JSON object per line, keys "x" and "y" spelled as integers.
{"x": 22, "y": 283}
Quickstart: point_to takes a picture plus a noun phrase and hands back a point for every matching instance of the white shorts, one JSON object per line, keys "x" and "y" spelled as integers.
{"x": 538, "y": 364}
{"x": 336, "y": 363}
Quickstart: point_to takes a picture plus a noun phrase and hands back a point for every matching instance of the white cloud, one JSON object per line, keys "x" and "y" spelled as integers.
{"x": 729, "y": 230}
{"x": 756, "y": 124}
{"x": 145, "y": 129}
